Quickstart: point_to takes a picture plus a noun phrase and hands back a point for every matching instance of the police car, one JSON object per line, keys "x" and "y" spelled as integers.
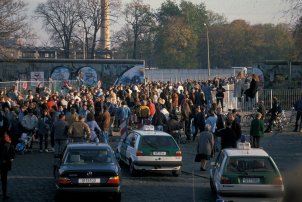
{"x": 246, "y": 172}
{"x": 149, "y": 150}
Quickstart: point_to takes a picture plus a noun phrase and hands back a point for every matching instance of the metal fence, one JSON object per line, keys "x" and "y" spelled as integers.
{"x": 286, "y": 97}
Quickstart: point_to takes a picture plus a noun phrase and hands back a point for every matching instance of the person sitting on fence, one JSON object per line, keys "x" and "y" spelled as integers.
{"x": 252, "y": 90}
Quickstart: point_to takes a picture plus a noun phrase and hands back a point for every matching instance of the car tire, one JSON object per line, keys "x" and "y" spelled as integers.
{"x": 132, "y": 170}
{"x": 118, "y": 158}
{"x": 176, "y": 173}
{"x": 212, "y": 186}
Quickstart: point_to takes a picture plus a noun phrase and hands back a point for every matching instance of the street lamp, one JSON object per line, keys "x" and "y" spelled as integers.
{"x": 208, "y": 45}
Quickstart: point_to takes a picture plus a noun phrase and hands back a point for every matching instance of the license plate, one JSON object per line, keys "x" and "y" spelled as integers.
{"x": 159, "y": 153}
{"x": 250, "y": 180}
{"x": 89, "y": 180}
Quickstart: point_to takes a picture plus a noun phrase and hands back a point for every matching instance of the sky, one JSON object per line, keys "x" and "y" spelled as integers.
{"x": 252, "y": 11}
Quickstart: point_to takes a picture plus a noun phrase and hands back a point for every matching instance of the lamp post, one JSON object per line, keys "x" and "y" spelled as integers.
{"x": 208, "y": 46}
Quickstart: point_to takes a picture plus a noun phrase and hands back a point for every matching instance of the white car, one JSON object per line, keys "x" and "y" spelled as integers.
{"x": 150, "y": 150}
{"x": 244, "y": 174}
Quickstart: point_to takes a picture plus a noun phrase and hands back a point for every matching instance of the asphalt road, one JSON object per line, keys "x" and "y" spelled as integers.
{"x": 31, "y": 176}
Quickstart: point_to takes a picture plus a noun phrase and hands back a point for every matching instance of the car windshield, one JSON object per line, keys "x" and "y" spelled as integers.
{"x": 249, "y": 164}
{"x": 157, "y": 142}
{"x": 88, "y": 156}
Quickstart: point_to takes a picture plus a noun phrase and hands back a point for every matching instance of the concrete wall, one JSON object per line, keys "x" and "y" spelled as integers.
{"x": 107, "y": 70}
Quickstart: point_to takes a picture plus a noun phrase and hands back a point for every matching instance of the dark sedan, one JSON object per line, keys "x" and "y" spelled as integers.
{"x": 88, "y": 168}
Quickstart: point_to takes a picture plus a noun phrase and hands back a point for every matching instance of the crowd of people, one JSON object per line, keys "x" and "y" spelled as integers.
{"x": 92, "y": 113}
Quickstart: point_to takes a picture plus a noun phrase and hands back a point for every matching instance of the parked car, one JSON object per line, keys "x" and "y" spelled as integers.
{"x": 88, "y": 167}
{"x": 246, "y": 173}
{"x": 149, "y": 150}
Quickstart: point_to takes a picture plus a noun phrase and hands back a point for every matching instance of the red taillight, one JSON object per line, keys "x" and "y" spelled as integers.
{"x": 278, "y": 181}
{"x": 139, "y": 153}
{"x": 225, "y": 180}
{"x": 114, "y": 180}
{"x": 64, "y": 181}
{"x": 178, "y": 153}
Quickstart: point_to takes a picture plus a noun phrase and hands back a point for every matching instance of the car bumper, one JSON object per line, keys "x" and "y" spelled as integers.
{"x": 158, "y": 163}
{"x": 110, "y": 190}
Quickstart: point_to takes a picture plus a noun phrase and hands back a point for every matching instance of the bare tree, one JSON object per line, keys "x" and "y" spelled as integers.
{"x": 60, "y": 18}
{"x": 91, "y": 15}
{"x": 139, "y": 16}
{"x": 12, "y": 21}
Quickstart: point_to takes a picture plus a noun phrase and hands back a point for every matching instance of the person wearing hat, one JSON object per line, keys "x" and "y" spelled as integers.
{"x": 7, "y": 155}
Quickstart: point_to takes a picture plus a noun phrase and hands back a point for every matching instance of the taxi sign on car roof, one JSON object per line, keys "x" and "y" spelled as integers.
{"x": 148, "y": 127}
{"x": 243, "y": 145}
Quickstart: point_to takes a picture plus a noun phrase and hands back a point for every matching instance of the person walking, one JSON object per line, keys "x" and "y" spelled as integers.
{"x": 298, "y": 108}
{"x": 7, "y": 155}
{"x": 199, "y": 121}
{"x": 78, "y": 131}
{"x": 257, "y": 130}
{"x": 44, "y": 125}
{"x": 60, "y": 129}
{"x": 227, "y": 135}
{"x": 205, "y": 147}
{"x": 94, "y": 129}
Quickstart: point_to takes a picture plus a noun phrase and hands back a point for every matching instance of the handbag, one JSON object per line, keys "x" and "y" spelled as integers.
{"x": 197, "y": 158}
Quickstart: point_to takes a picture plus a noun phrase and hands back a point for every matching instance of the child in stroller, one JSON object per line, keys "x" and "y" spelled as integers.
{"x": 24, "y": 144}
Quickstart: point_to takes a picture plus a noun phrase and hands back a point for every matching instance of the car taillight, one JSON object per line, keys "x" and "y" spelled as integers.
{"x": 225, "y": 180}
{"x": 114, "y": 180}
{"x": 278, "y": 181}
{"x": 64, "y": 181}
{"x": 178, "y": 153}
{"x": 139, "y": 153}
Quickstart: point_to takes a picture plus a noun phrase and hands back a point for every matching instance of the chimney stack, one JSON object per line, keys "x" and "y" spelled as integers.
{"x": 105, "y": 28}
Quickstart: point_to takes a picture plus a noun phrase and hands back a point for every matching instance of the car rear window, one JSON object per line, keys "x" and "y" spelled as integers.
{"x": 89, "y": 156}
{"x": 157, "y": 142}
{"x": 252, "y": 164}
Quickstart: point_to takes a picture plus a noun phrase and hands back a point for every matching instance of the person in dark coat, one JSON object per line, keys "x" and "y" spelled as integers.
{"x": 252, "y": 90}
{"x": 159, "y": 119}
{"x": 228, "y": 136}
{"x": 220, "y": 95}
{"x": 60, "y": 128}
{"x": 199, "y": 121}
{"x": 298, "y": 108}
{"x": 7, "y": 155}
{"x": 274, "y": 112}
{"x": 256, "y": 130}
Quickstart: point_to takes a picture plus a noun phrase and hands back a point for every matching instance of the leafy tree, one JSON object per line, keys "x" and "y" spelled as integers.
{"x": 177, "y": 46}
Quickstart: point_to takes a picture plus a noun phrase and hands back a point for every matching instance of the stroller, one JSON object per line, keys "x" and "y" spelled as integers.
{"x": 24, "y": 143}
